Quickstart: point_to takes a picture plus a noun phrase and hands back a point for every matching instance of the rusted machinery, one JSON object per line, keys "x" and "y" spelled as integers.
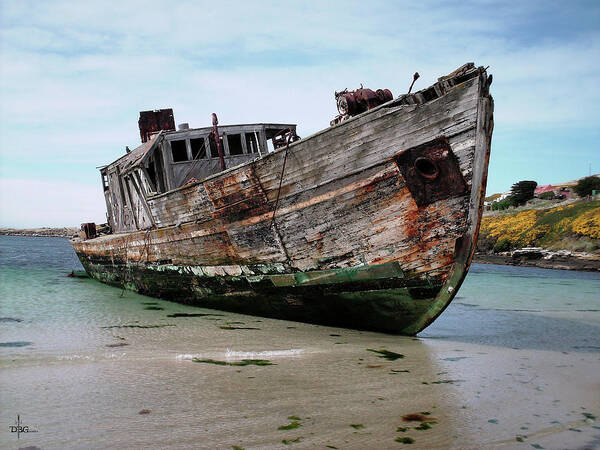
{"x": 351, "y": 103}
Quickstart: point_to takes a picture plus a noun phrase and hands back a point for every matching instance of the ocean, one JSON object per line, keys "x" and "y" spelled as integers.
{"x": 513, "y": 362}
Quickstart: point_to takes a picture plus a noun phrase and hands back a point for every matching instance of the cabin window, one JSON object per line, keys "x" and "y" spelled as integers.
{"x": 235, "y": 144}
{"x": 179, "y": 151}
{"x": 198, "y": 148}
{"x": 105, "y": 181}
{"x": 251, "y": 143}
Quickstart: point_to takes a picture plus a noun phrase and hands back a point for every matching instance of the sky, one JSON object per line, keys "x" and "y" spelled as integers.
{"x": 74, "y": 76}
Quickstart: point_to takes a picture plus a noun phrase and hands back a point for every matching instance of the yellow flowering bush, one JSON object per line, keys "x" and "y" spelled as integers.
{"x": 531, "y": 236}
{"x": 588, "y": 224}
{"x": 509, "y": 226}
{"x": 543, "y": 227}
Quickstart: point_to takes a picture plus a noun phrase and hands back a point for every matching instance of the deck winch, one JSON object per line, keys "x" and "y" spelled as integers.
{"x": 351, "y": 103}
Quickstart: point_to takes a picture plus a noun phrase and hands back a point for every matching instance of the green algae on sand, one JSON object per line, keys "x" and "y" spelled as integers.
{"x": 290, "y": 426}
{"x": 138, "y": 326}
{"x": 192, "y": 315}
{"x": 425, "y": 426}
{"x": 390, "y": 356}
{"x": 243, "y": 362}
{"x": 15, "y": 344}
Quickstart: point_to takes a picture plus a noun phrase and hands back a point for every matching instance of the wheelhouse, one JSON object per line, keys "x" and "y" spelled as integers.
{"x": 169, "y": 159}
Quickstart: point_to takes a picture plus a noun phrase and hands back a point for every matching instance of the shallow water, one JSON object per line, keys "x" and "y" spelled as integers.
{"x": 80, "y": 360}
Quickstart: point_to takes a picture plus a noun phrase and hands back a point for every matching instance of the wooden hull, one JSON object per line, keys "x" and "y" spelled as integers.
{"x": 360, "y": 238}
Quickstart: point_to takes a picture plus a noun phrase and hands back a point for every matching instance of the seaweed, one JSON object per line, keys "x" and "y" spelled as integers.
{"x": 15, "y": 344}
{"x": 405, "y": 440}
{"x": 243, "y": 362}
{"x": 401, "y": 430}
{"x": 399, "y": 371}
{"x": 154, "y": 308}
{"x": 425, "y": 425}
{"x": 589, "y": 416}
{"x": 357, "y": 426}
{"x": 294, "y": 418}
{"x": 291, "y": 441}
{"x": 138, "y": 326}
{"x": 118, "y": 344}
{"x": 390, "y": 356}
{"x": 228, "y": 327}
{"x": 192, "y": 315}
{"x": 415, "y": 417}
{"x": 237, "y": 447}
{"x": 290, "y": 426}
{"x": 10, "y": 319}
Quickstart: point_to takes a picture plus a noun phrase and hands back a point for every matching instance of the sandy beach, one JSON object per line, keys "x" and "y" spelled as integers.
{"x": 325, "y": 385}
{"x": 512, "y": 363}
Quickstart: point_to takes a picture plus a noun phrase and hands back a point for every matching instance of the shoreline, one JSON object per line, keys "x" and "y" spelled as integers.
{"x": 61, "y": 232}
{"x": 556, "y": 263}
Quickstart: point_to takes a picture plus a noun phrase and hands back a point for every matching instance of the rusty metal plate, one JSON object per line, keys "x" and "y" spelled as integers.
{"x": 431, "y": 172}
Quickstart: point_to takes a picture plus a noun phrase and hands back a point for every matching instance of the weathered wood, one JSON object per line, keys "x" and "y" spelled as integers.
{"x": 137, "y": 183}
{"x": 349, "y": 198}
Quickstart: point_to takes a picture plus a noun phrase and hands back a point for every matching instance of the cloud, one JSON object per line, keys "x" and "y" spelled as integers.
{"x": 73, "y": 76}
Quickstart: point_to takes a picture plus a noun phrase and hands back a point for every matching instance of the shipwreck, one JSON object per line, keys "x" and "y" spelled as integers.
{"x": 370, "y": 223}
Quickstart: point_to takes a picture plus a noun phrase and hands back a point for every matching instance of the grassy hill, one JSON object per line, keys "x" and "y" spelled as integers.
{"x": 574, "y": 227}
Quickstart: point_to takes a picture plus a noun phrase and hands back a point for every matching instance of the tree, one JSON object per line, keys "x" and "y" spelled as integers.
{"x": 503, "y": 204}
{"x": 586, "y": 185}
{"x": 522, "y": 191}
{"x": 503, "y": 245}
{"x": 548, "y": 195}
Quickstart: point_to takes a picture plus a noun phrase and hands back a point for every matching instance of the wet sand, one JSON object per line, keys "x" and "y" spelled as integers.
{"x": 325, "y": 388}
{"x": 514, "y": 362}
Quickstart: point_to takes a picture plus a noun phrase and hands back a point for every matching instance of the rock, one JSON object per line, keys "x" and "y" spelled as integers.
{"x": 528, "y": 253}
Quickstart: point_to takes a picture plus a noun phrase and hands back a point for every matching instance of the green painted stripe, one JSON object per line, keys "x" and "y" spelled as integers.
{"x": 336, "y": 276}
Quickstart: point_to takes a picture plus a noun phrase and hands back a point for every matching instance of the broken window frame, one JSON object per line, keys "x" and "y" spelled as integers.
{"x": 232, "y": 139}
{"x": 181, "y": 151}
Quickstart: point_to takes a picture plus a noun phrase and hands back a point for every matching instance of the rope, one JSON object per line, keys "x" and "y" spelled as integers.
{"x": 126, "y": 260}
{"x": 147, "y": 244}
{"x": 281, "y": 176}
{"x": 195, "y": 161}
